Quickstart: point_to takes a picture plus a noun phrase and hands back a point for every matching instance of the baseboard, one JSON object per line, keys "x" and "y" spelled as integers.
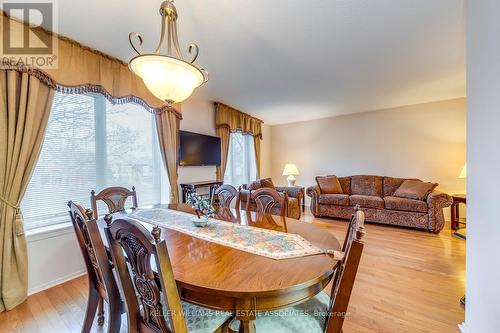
{"x": 463, "y": 328}
{"x": 55, "y": 282}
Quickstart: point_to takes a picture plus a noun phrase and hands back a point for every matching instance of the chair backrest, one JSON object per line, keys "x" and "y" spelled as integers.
{"x": 345, "y": 273}
{"x": 267, "y": 198}
{"x": 130, "y": 237}
{"x": 97, "y": 261}
{"x": 225, "y": 194}
{"x": 114, "y": 198}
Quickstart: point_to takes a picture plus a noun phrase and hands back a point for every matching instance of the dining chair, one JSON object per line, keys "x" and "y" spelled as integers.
{"x": 224, "y": 195}
{"x": 266, "y": 199}
{"x": 114, "y": 197}
{"x": 322, "y": 313}
{"x": 102, "y": 284}
{"x": 153, "y": 305}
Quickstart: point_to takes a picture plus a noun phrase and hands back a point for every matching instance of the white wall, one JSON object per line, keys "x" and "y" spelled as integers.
{"x": 482, "y": 313}
{"x": 426, "y": 141}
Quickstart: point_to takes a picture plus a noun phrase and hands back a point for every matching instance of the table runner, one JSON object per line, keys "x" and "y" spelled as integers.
{"x": 267, "y": 243}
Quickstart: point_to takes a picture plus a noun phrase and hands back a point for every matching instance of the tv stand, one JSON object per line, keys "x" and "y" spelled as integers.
{"x": 193, "y": 186}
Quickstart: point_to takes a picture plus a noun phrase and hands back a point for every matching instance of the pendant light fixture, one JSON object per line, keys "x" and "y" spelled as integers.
{"x": 168, "y": 75}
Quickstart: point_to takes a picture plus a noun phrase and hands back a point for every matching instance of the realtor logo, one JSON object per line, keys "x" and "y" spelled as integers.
{"x": 29, "y": 44}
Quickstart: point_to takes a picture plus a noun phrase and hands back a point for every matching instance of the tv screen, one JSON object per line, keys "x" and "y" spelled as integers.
{"x": 198, "y": 149}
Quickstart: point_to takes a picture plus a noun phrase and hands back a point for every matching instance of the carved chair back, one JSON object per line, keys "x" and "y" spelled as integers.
{"x": 224, "y": 195}
{"x": 114, "y": 198}
{"x": 266, "y": 199}
{"x": 346, "y": 271}
{"x": 102, "y": 284}
{"x": 140, "y": 247}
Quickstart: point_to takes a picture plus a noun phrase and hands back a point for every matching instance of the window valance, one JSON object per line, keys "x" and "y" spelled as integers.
{"x": 81, "y": 69}
{"x": 226, "y": 116}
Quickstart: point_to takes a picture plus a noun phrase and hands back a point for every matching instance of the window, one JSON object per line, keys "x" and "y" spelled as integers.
{"x": 241, "y": 167}
{"x": 91, "y": 144}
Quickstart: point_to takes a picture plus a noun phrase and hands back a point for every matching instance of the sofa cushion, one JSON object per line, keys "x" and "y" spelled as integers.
{"x": 414, "y": 189}
{"x": 329, "y": 184}
{"x": 391, "y": 184}
{"x": 267, "y": 182}
{"x": 366, "y": 185}
{"x": 334, "y": 199}
{"x": 345, "y": 183}
{"x": 408, "y": 205}
{"x": 366, "y": 201}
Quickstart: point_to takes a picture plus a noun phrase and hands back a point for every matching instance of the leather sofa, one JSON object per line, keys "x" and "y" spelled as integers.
{"x": 378, "y": 197}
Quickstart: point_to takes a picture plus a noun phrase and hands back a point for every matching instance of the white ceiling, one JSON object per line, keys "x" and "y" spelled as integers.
{"x": 290, "y": 60}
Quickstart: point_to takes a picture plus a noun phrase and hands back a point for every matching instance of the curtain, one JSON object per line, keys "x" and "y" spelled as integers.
{"x": 256, "y": 147}
{"x": 229, "y": 120}
{"x": 24, "y": 112}
{"x": 224, "y": 134}
{"x": 167, "y": 125}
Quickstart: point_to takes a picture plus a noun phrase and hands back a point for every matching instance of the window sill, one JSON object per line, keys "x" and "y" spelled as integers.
{"x": 47, "y": 232}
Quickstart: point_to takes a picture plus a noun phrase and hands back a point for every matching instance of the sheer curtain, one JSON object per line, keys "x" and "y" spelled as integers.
{"x": 241, "y": 165}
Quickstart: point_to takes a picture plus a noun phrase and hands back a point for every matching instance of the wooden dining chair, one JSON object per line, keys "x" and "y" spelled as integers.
{"x": 153, "y": 305}
{"x": 102, "y": 283}
{"x": 224, "y": 195}
{"x": 114, "y": 197}
{"x": 322, "y": 313}
{"x": 266, "y": 199}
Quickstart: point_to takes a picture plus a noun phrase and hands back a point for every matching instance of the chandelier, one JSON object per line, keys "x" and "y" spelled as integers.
{"x": 168, "y": 76}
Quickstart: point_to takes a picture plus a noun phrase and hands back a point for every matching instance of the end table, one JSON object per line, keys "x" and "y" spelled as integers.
{"x": 455, "y": 210}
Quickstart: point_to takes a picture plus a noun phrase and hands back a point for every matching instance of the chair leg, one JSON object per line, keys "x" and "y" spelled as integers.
{"x": 114, "y": 318}
{"x": 92, "y": 304}
{"x": 100, "y": 313}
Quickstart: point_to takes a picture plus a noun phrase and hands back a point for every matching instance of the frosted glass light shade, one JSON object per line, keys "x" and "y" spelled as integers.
{"x": 463, "y": 174}
{"x": 168, "y": 78}
{"x": 290, "y": 169}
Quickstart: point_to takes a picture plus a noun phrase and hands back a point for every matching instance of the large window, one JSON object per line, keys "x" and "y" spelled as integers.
{"x": 241, "y": 167}
{"x": 91, "y": 144}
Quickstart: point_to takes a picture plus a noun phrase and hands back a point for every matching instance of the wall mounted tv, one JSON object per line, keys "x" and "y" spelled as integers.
{"x": 198, "y": 149}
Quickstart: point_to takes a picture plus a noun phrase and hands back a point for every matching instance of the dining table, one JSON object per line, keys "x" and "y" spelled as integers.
{"x": 223, "y": 278}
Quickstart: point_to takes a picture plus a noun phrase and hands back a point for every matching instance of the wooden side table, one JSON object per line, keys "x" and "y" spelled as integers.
{"x": 455, "y": 210}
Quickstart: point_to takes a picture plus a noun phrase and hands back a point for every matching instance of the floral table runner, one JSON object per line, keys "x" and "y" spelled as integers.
{"x": 267, "y": 243}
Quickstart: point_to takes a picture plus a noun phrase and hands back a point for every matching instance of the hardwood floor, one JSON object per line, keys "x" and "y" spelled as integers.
{"x": 408, "y": 281}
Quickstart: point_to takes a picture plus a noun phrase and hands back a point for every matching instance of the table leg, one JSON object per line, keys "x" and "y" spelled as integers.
{"x": 246, "y": 314}
{"x": 454, "y": 224}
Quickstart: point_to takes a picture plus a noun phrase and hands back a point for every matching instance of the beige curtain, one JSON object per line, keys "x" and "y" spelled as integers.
{"x": 224, "y": 134}
{"x": 256, "y": 145}
{"x": 24, "y": 112}
{"x": 229, "y": 120}
{"x": 167, "y": 125}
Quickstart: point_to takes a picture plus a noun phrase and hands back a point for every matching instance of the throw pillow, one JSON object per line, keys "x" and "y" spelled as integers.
{"x": 415, "y": 189}
{"x": 329, "y": 185}
{"x": 267, "y": 182}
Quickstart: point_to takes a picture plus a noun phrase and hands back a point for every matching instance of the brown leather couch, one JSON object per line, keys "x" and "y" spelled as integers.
{"x": 378, "y": 198}
{"x": 294, "y": 195}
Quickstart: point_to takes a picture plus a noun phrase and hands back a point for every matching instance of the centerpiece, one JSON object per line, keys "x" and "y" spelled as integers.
{"x": 203, "y": 208}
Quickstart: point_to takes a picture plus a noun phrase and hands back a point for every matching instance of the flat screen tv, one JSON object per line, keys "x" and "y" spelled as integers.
{"x": 198, "y": 149}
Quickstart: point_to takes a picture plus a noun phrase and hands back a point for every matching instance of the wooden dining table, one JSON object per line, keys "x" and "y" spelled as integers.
{"x": 223, "y": 278}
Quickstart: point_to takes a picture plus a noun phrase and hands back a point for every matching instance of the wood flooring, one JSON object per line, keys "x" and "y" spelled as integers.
{"x": 408, "y": 281}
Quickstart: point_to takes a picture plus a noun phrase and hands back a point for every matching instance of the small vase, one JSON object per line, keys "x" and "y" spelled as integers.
{"x": 200, "y": 222}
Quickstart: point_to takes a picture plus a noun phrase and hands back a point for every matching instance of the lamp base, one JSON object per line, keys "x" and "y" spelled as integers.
{"x": 291, "y": 180}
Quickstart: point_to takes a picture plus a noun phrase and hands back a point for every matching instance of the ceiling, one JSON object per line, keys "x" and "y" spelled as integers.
{"x": 290, "y": 60}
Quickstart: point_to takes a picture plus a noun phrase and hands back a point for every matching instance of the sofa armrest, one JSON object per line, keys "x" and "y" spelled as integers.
{"x": 436, "y": 201}
{"x": 293, "y": 192}
{"x": 313, "y": 191}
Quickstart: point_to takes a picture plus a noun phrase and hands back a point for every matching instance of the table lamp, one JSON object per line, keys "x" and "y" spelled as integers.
{"x": 463, "y": 174}
{"x": 291, "y": 171}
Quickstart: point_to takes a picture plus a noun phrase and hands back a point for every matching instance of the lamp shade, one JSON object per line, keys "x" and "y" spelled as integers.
{"x": 290, "y": 169}
{"x": 168, "y": 78}
{"x": 463, "y": 174}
